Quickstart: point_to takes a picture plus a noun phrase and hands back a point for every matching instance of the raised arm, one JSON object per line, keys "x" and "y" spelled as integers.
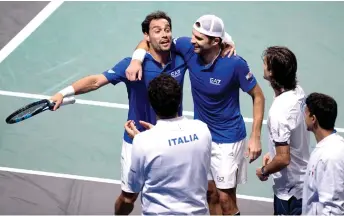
{"x": 180, "y": 45}
{"x": 93, "y": 82}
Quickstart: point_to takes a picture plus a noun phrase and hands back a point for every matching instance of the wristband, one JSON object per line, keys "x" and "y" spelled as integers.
{"x": 68, "y": 91}
{"x": 139, "y": 54}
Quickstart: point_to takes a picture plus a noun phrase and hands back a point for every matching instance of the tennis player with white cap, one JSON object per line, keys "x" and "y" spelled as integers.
{"x": 215, "y": 84}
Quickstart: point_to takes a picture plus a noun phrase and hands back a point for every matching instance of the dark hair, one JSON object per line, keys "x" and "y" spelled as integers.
{"x": 282, "y": 63}
{"x": 153, "y": 16}
{"x": 211, "y": 38}
{"x": 165, "y": 96}
{"x": 324, "y": 108}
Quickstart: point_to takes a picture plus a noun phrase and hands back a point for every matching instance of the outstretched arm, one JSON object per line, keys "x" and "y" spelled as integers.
{"x": 93, "y": 82}
{"x": 82, "y": 86}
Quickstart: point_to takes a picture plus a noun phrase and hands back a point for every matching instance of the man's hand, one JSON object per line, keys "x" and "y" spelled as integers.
{"x": 57, "y": 99}
{"x": 228, "y": 50}
{"x": 146, "y": 125}
{"x": 254, "y": 148}
{"x": 131, "y": 128}
{"x": 134, "y": 70}
{"x": 266, "y": 159}
{"x": 260, "y": 174}
{"x": 228, "y": 46}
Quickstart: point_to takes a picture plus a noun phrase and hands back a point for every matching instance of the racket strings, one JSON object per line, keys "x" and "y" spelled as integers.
{"x": 28, "y": 111}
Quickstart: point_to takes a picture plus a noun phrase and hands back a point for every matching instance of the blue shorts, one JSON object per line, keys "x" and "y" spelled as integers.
{"x": 292, "y": 206}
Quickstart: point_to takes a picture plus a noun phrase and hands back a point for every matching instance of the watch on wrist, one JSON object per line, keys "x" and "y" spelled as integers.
{"x": 263, "y": 172}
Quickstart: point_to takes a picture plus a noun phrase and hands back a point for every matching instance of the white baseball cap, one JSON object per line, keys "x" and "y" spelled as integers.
{"x": 210, "y": 25}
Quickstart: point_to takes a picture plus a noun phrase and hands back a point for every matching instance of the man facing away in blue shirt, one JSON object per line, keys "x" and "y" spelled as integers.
{"x": 157, "y": 32}
{"x": 215, "y": 83}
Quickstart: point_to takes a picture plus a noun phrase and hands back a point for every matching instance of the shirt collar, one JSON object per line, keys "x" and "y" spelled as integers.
{"x": 151, "y": 58}
{"x": 162, "y": 122}
{"x": 323, "y": 141}
{"x": 207, "y": 66}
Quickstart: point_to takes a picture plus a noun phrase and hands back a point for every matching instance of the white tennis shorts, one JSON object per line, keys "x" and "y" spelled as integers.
{"x": 228, "y": 164}
{"x": 125, "y": 165}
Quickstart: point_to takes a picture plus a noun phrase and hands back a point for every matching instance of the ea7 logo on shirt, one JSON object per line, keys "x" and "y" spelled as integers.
{"x": 215, "y": 81}
{"x": 175, "y": 74}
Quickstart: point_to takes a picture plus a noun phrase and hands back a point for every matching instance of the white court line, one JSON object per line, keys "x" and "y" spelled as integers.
{"x": 89, "y": 102}
{"x": 104, "y": 104}
{"x": 29, "y": 28}
{"x": 101, "y": 180}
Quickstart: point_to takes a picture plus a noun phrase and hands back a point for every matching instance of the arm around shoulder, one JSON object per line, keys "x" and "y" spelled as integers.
{"x": 140, "y": 51}
{"x": 134, "y": 71}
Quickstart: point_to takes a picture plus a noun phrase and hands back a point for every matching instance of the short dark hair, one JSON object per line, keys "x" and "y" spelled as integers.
{"x": 282, "y": 63}
{"x": 153, "y": 16}
{"x": 165, "y": 95}
{"x": 324, "y": 108}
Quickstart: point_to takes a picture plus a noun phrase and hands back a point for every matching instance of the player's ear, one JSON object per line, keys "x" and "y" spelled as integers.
{"x": 314, "y": 120}
{"x": 146, "y": 37}
{"x": 216, "y": 41}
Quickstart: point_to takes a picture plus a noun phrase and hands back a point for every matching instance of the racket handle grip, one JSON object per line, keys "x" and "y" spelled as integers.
{"x": 68, "y": 100}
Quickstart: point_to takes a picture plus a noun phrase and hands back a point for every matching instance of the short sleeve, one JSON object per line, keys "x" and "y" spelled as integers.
{"x": 281, "y": 125}
{"x": 136, "y": 172}
{"x": 246, "y": 79}
{"x": 183, "y": 46}
{"x": 117, "y": 73}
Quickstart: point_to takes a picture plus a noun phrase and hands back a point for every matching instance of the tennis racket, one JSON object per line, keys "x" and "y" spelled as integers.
{"x": 35, "y": 108}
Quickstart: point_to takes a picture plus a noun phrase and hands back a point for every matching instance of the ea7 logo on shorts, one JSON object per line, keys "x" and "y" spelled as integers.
{"x": 215, "y": 81}
{"x": 220, "y": 179}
